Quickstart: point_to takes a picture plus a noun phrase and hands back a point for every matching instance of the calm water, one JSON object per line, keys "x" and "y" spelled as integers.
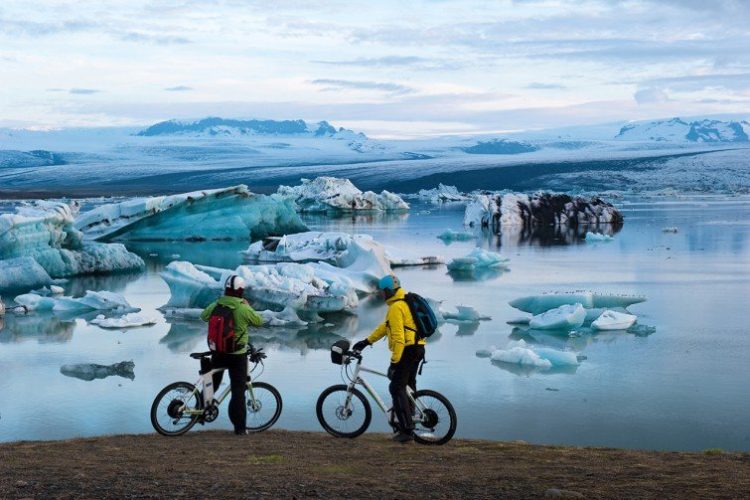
{"x": 685, "y": 387}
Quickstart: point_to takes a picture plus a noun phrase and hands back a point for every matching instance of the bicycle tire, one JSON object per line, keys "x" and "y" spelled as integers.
{"x": 429, "y": 422}
{"x": 156, "y": 412}
{"x": 260, "y": 387}
{"x": 341, "y": 413}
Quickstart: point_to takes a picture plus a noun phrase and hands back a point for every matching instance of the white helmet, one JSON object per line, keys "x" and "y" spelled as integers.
{"x": 235, "y": 282}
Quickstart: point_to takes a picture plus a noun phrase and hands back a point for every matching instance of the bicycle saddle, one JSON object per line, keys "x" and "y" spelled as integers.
{"x": 200, "y": 355}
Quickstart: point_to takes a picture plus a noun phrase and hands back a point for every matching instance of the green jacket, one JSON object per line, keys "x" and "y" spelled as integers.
{"x": 244, "y": 316}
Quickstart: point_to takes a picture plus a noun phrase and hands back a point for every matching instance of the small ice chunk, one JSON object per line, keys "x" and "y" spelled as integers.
{"x": 565, "y": 317}
{"x": 183, "y": 313}
{"x": 465, "y": 313}
{"x": 598, "y": 237}
{"x": 641, "y": 330}
{"x": 449, "y": 236}
{"x": 537, "y": 304}
{"x": 330, "y": 194}
{"x": 90, "y": 371}
{"x": 287, "y": 317}
{"x": 486, "y": 353}
{"x": 541, "y": 357}
{"x": 35, "y": 302}
{"x": 130, "y": 320}
{"x": 672, "y": 229}
{"x": 611, "y": 320}
{"x": 519, "y": 321}
{"x": 442, "y": 194}
{"x": 478, "y": 259}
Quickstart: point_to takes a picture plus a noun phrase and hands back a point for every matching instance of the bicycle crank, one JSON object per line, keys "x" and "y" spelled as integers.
{"x": 211, "y": 413}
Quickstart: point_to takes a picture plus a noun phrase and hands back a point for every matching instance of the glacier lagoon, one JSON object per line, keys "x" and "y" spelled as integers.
{"x": 683, "y": 387}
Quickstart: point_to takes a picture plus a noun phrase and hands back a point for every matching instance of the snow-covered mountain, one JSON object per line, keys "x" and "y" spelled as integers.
{"x": 214, "y": 126}
{"x": 678, "y": 130}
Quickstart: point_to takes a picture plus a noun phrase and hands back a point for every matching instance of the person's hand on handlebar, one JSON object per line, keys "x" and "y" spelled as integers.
{"x": 359, "y": 346}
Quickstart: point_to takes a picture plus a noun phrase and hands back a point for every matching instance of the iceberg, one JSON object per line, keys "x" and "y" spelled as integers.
{"x": 464, "y": 313}
{"x": 537, "y": 304}
{"x": 232, "y": 213}
{"x": 565, "y": 317}
{"x": 597, "y": 237}
{"x": 449, "y": 236}
{"x": 39, "y": 243}
{"x": 333, "y": 195}
{"x": 611, "y": 320}
{"x": 130, "y": 320}
{"x": 518, "y": 352}
{"x": 494, "y": 211}
{"x": 442, "y": 194}
{"x": 91, "y": 301}
{"x": 303, "y": 287}
{"x": 90, "y": 371}
{"x": 476, "y": 260}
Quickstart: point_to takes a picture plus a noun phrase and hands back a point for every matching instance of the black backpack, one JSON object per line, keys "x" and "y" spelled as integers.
{"x": 423, "y": 315}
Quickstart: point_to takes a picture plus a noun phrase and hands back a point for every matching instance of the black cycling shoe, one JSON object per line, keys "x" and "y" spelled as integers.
{"x": 241, "y": 432}
{"x": 403, "y": 437}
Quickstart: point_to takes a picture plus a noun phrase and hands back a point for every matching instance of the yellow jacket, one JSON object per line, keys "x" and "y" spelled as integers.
{"x": 398, "y": 326}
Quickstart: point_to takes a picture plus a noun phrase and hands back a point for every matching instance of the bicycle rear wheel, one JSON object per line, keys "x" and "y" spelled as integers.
{"x": 176, "y": 409}
{"x": 434, "y": 418}
{"x": 263, "y": 406}
{"x": 343, "y": 413}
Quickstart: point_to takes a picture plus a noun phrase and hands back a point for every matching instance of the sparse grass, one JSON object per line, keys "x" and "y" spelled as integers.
{"x": 713, "y": 451}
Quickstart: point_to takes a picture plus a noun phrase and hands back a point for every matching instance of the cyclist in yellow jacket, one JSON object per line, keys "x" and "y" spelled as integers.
{"x": 406, "y": 352}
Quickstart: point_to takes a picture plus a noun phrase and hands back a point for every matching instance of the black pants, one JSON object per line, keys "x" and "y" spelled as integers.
{"x": 236, "y": 364}
{"x": 405, "y": 374}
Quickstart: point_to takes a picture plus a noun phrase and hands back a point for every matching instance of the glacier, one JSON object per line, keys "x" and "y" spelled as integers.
{"x": 333, "y": 195}
{"x": 232, "y": 213}
{"x": 496, "y": 211}
{"x": 39, "y": 243}
{"x": 564, "y": 317}
{"x": 91, "y": 371}
{"x": 310, "y": 288}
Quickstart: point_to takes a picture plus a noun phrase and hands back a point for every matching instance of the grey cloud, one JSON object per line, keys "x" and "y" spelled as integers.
{"x": 178, "y": 88}
{"x": 80, "y": 91}
{"x": 333, "y": 84}
{"x": 545, "y": 86}
{"x": 133, "y": 36}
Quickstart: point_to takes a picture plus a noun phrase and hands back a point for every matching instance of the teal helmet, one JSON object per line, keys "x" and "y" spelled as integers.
{"x": 389, "y": 282}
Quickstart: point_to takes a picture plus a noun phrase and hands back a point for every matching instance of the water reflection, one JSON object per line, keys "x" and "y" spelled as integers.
{"x": 344, "y": 222}
{"x": 528, "y": 370}
{"x": 44, "y": 328}
{"x": 157, "y": 254}
{"x": 117, "y": 282}
{"x": 544, "y": 236}
{"x": 477, "y": 274}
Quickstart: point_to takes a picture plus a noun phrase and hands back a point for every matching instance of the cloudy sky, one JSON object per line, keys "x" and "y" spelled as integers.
{"x": 388, "y": 68}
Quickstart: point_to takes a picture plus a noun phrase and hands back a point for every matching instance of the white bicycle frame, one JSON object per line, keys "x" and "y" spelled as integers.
{"x": 207, "y": 381}
{"x": 357, "y": 379}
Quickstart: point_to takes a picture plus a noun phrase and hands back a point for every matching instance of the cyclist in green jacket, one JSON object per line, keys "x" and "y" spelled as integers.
{"x": 406, "y": 352}
{"x": 235, "y": 362}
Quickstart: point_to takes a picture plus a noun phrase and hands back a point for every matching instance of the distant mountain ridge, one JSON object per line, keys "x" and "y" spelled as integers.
{"x": 678, "y": 130}
{"x": 214, "y": 126}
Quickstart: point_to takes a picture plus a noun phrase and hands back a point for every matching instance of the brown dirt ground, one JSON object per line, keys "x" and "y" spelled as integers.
{"x": 215, "y": 464}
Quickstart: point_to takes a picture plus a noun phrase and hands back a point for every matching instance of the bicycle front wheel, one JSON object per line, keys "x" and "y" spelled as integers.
{"x": 176, "y": 409}
{"x": 434, "y": 418}
{"x": 343, "y": 413}
{"x": 263, "y": 406}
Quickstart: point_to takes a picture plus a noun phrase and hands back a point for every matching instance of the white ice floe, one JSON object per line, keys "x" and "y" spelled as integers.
{"x": 540, "y": 357}
{"x": 442, "y": 194}
{"x": 520, "y": 210}
{"x": 330, "y": 194}
{"x": 537, "y": 304}
{"x": 130, "y": 320}
{"x": 565, "y": 317}
{"x": 598, "y": 237}
{"x": 287, "y": 317}
{"x": 673, "y": 230}
{"x": 91, "y": 301}
{"x": 39, "y": 243}
{"x": 611, "y": 320}
{"x": 464, "y": 313}
{"x": 90, "y": 371}
{"x": 317, "y": 287}
{"x": 478, "y": 259}
{"x": 232, "y": 213}
{"x": 49, "y": 291}
{"x": 449, "y": 236}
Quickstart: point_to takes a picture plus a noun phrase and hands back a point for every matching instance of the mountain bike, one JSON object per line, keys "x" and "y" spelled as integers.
{"x": 180, "y": 405}
{"x": 343, "y": 410}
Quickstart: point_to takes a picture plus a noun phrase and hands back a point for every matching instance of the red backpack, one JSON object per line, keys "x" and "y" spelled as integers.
{"x": 221, "y": 337}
